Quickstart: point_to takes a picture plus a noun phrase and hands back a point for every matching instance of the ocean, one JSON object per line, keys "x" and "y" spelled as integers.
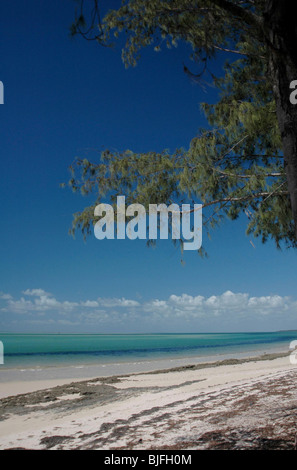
{"x": 33, "y": 356}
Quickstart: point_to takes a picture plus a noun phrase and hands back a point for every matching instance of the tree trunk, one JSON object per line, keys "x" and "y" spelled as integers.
{"x": 281, "y": 20}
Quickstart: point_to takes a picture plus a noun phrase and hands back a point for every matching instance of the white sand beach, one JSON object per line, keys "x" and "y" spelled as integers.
{"x": 241, "y": 405}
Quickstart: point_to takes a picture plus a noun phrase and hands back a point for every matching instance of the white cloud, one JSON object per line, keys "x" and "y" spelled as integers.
{"x": 90, "y": 303}
{"x": 118, "y": 302}
{"x": 46, "y": 302}
{"x": 20, "y": 306}
{"x": 274, "y": 301}
{"x": 42, "y": 301}
{"x": 4, "y": 296}
{"x": 229, "y": 304}
{"x": 36, "y": 292}
{"x": 186, "y": 309}
{"x": 159, "y": 303}
{"x": 186, "y": 300}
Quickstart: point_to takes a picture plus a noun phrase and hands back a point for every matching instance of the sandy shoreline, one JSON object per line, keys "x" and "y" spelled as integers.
{"x": 246, "y": 403}
{"x": 21, "y": 380}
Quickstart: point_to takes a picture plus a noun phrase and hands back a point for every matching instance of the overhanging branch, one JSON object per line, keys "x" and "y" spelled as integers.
{"x": 241, "y": 13}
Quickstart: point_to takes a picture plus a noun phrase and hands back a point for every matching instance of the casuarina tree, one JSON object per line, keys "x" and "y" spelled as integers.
{"x": 245, "y": 161}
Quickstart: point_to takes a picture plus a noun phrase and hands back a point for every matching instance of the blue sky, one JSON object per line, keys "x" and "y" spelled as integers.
{"x": 66, "y": 98}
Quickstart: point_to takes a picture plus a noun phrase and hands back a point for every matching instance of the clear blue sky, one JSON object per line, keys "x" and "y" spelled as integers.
{"x": 66, "y": 98}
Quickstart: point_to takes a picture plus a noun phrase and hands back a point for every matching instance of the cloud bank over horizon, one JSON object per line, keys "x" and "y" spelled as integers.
{"x": 37, "y": 309}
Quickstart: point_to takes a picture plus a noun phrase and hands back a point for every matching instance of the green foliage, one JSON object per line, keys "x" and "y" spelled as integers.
{"x": 235, "y": 166}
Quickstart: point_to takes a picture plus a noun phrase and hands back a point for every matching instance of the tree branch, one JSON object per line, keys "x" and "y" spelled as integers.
{"x": 243, "y": 198}
{"x": 246, "y": 16}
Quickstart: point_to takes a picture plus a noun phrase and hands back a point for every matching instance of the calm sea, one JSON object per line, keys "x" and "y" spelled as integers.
{"x": 24, "y": 351}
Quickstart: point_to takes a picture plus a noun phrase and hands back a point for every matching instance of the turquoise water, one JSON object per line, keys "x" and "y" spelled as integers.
{"x": 24, "y": 350}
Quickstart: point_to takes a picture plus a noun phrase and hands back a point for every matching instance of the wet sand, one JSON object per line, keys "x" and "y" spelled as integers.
{"x": 231, "y": 404}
